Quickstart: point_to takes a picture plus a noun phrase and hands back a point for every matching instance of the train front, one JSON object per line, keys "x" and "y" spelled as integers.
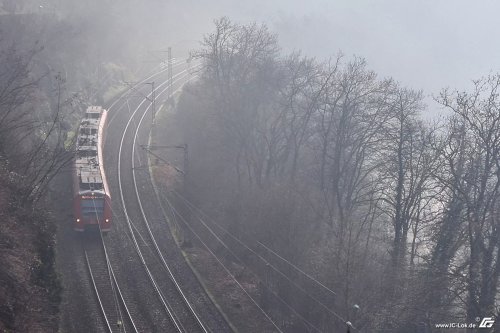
{"x": 92, "y": 202}
{"x": 92, "y": 211}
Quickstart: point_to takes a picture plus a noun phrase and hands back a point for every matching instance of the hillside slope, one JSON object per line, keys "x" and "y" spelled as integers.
{"x": 29, "y": 288}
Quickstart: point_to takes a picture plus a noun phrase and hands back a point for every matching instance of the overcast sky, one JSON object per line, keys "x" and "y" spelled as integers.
{"x": 425, "y": 44}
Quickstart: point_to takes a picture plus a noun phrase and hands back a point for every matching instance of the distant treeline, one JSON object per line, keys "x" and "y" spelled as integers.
{"x": 338, "y": 171}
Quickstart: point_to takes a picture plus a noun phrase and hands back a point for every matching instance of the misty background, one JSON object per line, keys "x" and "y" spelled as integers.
{"x": 306, "y": 151}
{"x": 427, "y": 44}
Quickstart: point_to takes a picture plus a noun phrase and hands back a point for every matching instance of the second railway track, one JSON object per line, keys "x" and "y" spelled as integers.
{"x": 139, "y": 278}
{"x": 123, "y": 296}
{"x": 174, "y": 295}
{"x": 180, "y": 312}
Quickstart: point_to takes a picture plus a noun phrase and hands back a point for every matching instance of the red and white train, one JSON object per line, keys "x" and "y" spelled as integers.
{"x": 91, "y": 197}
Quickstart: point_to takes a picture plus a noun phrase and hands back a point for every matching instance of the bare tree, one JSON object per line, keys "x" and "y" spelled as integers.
{"x": 407, "y": 173}
{"x": 337, "y": 170}
{"x": 31, "y": 138}
{"x": 473, "y": 162}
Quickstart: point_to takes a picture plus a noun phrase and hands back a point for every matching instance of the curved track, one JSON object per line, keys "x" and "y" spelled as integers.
{"x": 158, "y": 285}
{"x": 161, "y": 291}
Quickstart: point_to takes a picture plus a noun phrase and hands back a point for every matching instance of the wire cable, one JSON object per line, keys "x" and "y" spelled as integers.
{"x": 192, "y": 207}
{"x": 225, "y": 268}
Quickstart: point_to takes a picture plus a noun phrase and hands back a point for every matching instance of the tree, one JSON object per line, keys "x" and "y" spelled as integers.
{"x": 473, "y": 162}
{"x": 239, "y": 62}
{"x": 31, "y": 138}
{"x": 407, "y": 173}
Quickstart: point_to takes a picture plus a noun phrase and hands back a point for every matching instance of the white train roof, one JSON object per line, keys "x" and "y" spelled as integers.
{"x": 90, "y": 177}
{"x": 87, "y": 163}
{"x": 93, "y": 110}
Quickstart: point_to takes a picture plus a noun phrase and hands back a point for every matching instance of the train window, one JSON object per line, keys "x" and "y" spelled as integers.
{"x": 87, "y": 153}
{"x": 92, "y": 115}
{"x": 93, "y": 207}
{"x": 91, "y": 186}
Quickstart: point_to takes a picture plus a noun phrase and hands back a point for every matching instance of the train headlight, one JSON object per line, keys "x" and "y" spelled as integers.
{"x": 77, "y": 220}
{"x": 107, "y": 220}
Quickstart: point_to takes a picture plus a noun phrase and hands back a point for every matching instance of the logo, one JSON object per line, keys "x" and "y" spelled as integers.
{"x": 487, "y": 322}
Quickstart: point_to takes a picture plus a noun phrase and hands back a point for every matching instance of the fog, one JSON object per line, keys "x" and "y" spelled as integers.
{"x": 341, "y": 151}
{"x": 424, "y": 44}
{"x": 427, "y": 45}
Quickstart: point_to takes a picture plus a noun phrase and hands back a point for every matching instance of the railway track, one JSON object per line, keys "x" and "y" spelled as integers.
{"x": 173, "y": 300}
{"x": 161, "y": 269}
{"x": 115, "y": 312}
{"x": 140, "y": 280}
{"x": 184, "y": 321}
{"x": 130, "y": 306}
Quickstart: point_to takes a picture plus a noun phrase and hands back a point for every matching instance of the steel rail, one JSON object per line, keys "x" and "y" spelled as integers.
{"x": 127, "y": 217}
{"x": 108, "y": 326}
{"x": 175, "y": 65}
{"x": 116, "y": 285}
{"x": 115, "y": 281}
{"x": 171, "y": 275}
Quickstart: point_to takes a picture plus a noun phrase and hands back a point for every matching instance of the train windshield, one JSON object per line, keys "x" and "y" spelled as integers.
{"x": 93, "y": 115}
{"x": 91, "y": 186}
{"x": 87, "y": 153}
{"x": 93, "y": 208}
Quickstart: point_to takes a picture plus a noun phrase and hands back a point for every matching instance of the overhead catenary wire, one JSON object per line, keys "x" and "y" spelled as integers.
{"x": 232, "y": 276}
{"x": 176, "y": 213}
{"x": 192, "y": 207}
{"x": 144, "y": 242}
{"x": 293, "y": 310}
{"x": 201, "y": 212}
{"x": 108, "y": 267}
{"x": 225, "y": 268}
{"x": 162, "y": 297}
{"x": 172, "y": 315}
{"x": 111, "y": 275}
{"x": 165, "y": 265}
{"x": 115, "y": 214}
{"x": 115, "y": 114}
{"x": 297, "y": 268}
